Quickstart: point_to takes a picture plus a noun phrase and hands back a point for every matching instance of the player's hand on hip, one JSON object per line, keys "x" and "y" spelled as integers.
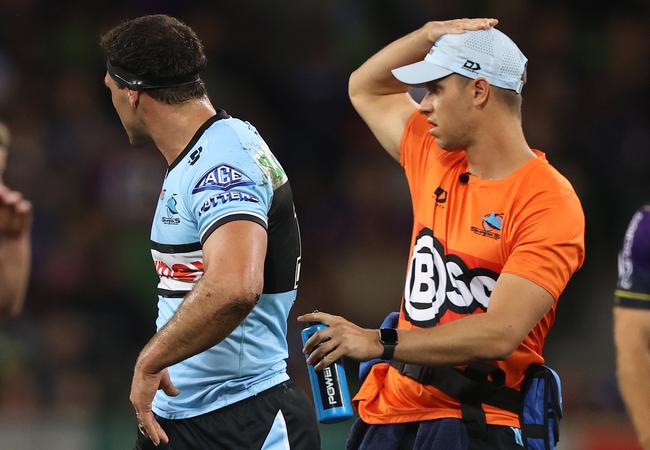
{"x": 456, "y": 26}
{"x": 143, "y": 389}
{"x": 15, "y": 213}
{"x": 341, "y": 338}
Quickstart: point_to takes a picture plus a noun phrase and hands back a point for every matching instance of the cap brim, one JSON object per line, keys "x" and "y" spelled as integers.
{"x": 419, "y": 73}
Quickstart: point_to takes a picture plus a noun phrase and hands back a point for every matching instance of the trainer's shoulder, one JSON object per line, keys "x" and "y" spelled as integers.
{"x": 544, "y": 177}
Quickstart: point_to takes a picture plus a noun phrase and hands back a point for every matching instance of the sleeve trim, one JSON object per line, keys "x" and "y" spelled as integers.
{"x": 540, "y": 283}
{"x": 633, "y": 295}
{"x": 231, "y": 217}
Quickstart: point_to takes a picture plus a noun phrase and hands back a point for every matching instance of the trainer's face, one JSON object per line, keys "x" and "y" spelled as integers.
{"x": 131, "y": 122}
{"x": 448, "y": 110}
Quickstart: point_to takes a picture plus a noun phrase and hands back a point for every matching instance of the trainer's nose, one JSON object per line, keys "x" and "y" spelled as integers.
{"x": 426, "y": 104}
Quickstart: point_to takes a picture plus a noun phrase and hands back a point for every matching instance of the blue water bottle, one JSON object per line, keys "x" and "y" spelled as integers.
{"x": 329, "y": 387}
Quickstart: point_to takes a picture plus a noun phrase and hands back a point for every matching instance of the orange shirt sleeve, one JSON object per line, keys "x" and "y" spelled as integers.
{"x": 547, "y": 240}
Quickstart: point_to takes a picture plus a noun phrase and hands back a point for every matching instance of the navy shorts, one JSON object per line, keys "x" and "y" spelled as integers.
{"x": 280, "y": 418}
{"x": 440, "y": 434}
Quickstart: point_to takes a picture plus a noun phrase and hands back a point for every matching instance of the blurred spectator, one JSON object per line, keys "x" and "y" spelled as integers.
{"x": 15, "y": 246}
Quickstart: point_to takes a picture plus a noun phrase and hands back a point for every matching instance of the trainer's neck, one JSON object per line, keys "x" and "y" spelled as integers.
{"x": 173, "y": 126}
{"x": 498, "y": 149}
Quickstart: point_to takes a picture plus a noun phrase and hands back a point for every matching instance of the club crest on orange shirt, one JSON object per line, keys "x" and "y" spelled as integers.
{"x": 492, "y": 224}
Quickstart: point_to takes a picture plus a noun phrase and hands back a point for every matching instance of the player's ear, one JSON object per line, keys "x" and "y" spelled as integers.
{"x": 480, "y": 92}
{"x": 134, "y": 98}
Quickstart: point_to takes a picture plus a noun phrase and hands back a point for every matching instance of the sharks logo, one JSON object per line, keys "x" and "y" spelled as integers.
{"x": 222, "y": 178}
{"x": 492, "y": 221}
{"x": 492, "y": 226}
{"x": 170, "y": 218}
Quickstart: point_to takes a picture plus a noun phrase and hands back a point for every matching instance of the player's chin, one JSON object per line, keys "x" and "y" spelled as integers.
{"x": 138, "y": 140}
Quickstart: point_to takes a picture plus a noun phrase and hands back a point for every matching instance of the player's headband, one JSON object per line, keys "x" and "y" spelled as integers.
{"x": 137, "y": 83}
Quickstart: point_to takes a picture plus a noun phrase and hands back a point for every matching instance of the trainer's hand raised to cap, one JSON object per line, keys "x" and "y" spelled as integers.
{"x": 456, "y": 26}
{"x": 380, "y": 99}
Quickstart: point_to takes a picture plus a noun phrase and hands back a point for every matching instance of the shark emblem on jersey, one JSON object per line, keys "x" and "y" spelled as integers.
{"x": 223, "y": 178}
{"x": 170, "y": 218}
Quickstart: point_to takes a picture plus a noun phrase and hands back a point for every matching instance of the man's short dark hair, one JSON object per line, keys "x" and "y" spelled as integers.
{"x": 158, "y": 48}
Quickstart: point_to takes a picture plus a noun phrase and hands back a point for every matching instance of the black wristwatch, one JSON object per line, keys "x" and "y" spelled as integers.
{"x": 388, "y": 338}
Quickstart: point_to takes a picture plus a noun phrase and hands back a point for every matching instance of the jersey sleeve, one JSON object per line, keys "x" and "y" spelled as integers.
{"x": 547, "y": 243}
{"x": 633, "y": 286}
{"x": 227, "y": 185}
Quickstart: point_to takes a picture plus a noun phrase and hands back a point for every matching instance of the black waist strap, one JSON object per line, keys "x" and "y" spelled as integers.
{"x": 479, "y": 383}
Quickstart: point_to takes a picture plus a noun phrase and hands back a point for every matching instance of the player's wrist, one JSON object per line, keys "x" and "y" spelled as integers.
{"x": 431, "y": 31}
{"x": 145, "y": 365}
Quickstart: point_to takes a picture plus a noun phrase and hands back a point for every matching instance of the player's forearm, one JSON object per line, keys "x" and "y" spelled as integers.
{"x": 208, "y": 314}
{"x": 633, "y": 366}
{"x": 15, "y": 254}
{"x": 374, "y": 77}
{"x": 458, "y": 342}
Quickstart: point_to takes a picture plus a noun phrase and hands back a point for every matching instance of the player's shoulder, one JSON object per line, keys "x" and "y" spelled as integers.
{"x": 231, "y": 153}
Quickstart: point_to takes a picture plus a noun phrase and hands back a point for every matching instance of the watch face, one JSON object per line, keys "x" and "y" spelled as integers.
{"x": 388, "y": 336}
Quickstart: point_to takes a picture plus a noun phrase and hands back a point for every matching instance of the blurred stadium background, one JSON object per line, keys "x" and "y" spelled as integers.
{"x": 66, "y": 364}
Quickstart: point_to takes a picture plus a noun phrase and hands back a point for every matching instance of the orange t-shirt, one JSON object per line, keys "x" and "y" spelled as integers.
{"x": 529, "y": 224}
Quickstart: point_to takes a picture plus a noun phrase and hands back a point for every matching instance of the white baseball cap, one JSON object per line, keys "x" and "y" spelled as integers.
{"x": 482, "y": 53}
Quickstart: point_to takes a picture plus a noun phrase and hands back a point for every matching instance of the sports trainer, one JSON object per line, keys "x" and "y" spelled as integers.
{"x": 497, "y": 234}
{"x": 226, "y": 245}
{"x": 15, "y": 241}
{"x": 632, "y": 323}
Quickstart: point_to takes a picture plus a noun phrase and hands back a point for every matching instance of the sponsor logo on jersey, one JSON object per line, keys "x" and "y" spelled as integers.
{"x": 222, "y": 177}
{"x": 437, "y": 283}
{"x": 491, "y": 223}
{"x": 270, "y": 166}
{"x": 195, "y": 155}
{"x": 625, "y": 262}
{"x": 226, "y": 197}
{"x": 171, "y": 217}
{"x": 183, "y": 272}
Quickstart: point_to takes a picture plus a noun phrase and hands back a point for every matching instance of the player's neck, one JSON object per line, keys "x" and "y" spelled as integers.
{"x": 171, "y": 127}
{"x": 499, "y": 149}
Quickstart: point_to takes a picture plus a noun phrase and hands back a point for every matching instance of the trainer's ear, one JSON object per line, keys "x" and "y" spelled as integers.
{"x": 481, "y": 92}
{"x": 134, "y": 98}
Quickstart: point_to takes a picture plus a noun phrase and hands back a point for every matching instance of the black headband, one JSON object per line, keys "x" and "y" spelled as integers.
{"x": 136, "y": 83}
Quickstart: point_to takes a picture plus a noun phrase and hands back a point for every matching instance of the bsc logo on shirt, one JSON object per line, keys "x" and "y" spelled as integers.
{"x": 222, "y": 177}
{"x": 436, "y": 283}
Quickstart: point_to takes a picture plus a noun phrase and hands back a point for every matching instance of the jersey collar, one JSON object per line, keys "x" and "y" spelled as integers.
{"x": 221, "y": 114}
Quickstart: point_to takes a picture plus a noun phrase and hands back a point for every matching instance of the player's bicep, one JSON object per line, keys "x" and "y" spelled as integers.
{"x": 233, "y": 257}
{"x": 518, "y": 304}
{"x": 386, "y": 116}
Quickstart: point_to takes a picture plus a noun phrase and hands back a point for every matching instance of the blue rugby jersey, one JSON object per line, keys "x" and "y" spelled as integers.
{"x": 633, "y": 288}
{"x": 225, "y": 173}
